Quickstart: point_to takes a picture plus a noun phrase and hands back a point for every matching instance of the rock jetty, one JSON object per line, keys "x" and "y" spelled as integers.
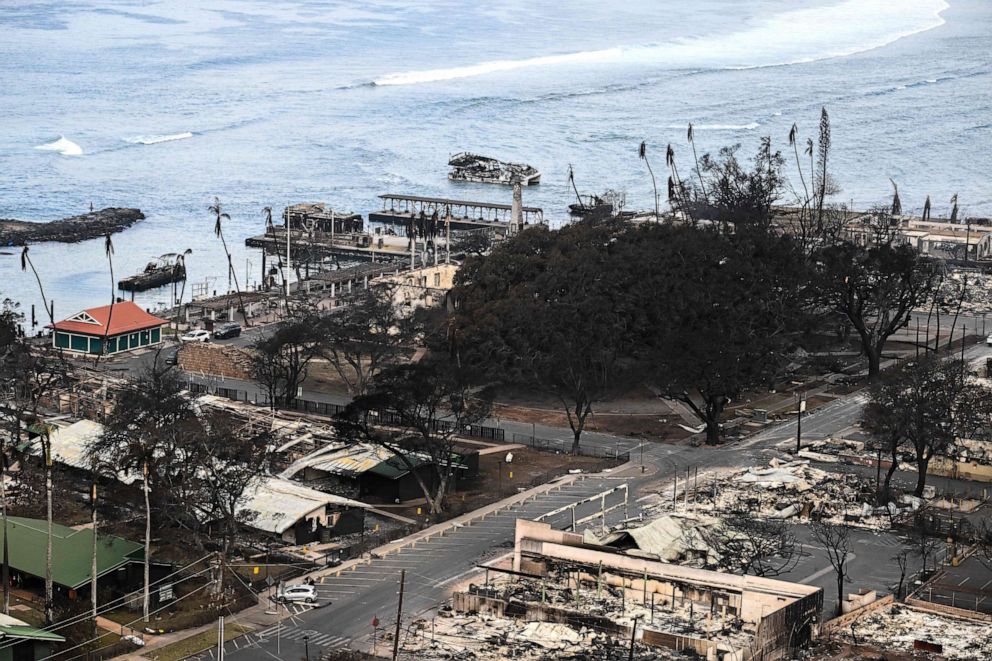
{"x": 69, "y": 230}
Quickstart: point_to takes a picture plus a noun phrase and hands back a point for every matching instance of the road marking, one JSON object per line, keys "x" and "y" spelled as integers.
{"x": 829, "y": 568}
{"x": 964, "y": 580}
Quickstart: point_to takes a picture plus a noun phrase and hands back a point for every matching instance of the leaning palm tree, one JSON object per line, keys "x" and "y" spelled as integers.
{"x": 896, "y": 202}
{"x": 108, "y": 249}
{"x": 220, "y": 216}
{"x": 25, "y": 263}
{"x": 795, "y": 148}
{"x": 642, "y": 151}
{"x": 679, "y": 185}
{"x": 695, "y": 157}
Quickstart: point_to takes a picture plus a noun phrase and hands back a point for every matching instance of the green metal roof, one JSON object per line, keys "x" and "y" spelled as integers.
{"x": 72, "y": 551}
{"x": 18, "y": 631}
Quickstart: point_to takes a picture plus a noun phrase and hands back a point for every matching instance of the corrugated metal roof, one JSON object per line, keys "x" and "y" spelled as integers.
{"x": 71, "y": 550}
{"x": 69, "y": 445}
{"x": 11, "y": 627}
{"x": 274, "y": 504}
{"x": 355, "y": 460}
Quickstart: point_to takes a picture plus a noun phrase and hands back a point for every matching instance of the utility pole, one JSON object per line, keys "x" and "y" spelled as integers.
{"x": 799, "y": 421}
{"x": 288, "y": 266}
{"x": 399, "y": 614}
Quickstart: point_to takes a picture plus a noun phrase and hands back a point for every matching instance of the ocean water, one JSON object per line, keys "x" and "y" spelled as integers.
{"x": 164, "y": 105}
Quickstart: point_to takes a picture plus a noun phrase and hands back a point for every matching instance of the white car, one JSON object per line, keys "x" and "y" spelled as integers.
{"x": 196, "y": 336}
{"x": 988, "y": 341}
{"x": 305, "y": 593}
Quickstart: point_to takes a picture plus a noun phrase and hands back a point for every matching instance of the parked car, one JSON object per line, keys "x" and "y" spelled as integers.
{"x": 988, "y": 341}
{"x": 171, "y": 355}
{"x": 224, "y": 331}
{"x": 296, "y": 593}
{"x": 196, "y": 336}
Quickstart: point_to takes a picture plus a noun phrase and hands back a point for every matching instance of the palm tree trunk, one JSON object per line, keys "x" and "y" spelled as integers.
{"x": 48, "y": 547}
{"x": 146, "y": 599}
{"x": 93, "y": 567}
{"x": 6, "y": 555}
{"x": 654, "y": 185}
{"x": 231, "y": 274}
{"x": 110, "y": 314}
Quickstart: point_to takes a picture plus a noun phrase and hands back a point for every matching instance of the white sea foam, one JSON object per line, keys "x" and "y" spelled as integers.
{"x": 62, "y": 146}
{"x": 155, "y": 139}
{"x": 718, "y": 127}
{"x": 792, "y": 37}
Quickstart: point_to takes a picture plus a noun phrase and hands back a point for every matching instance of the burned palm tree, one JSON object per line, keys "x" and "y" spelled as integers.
{"x": 680, "y": 193}
{"x": 220, "y": 216}
{"x": 642, "y": 152}
{"x": 926, "y": 209}
{"x": 896, "y": 202}
{"x": 108, "y": 250}
{"x": 954, "y": 208}
{"x": 25, "y": 263}
{"x": 699, "y": 174}
{"x": 823, "y": 151}
{"x": 793, "y": 132}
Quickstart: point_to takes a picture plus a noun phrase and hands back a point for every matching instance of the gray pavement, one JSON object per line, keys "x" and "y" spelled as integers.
{"x": 433, "y": 566}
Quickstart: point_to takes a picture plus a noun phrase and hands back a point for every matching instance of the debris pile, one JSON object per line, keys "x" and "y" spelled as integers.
{"x": 475, "y": 637}
{"x": 898, "y": 628}
{"x": 791, "y": 490}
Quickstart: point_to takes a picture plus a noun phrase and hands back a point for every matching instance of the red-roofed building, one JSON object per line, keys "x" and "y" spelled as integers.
{"x": 130, "y": 328}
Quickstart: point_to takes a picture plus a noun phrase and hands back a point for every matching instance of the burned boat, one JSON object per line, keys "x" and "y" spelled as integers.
{"x": 589, "y": 205}
{"x": 487, "y": 170}
{"x": 157, "y": 273}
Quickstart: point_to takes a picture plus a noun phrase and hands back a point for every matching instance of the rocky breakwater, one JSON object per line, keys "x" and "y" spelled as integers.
{"x": 90, "y": 225}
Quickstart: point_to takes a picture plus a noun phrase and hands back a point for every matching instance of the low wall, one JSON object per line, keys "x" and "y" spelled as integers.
{"x": 215, "y": 360}
{"x": 941, "y": 609}
{"x": 843, "y": 621}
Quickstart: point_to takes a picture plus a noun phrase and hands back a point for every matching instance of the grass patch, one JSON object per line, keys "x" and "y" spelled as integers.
{"x": 201, "y": 641}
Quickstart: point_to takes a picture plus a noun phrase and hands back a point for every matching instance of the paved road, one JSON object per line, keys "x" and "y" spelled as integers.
{"x": 433, "y": 566}
{"x": 349, "y": 602}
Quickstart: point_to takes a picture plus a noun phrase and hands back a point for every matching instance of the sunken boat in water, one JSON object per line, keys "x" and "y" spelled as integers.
{"x": 157, "y": 273}
{"x": 487, "y": 170}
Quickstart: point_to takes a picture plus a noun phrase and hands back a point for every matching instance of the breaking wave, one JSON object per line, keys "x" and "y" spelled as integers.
{"x": 718, "y": 127}
{"x": 155, "y": 139}
{"x": 63, "y": 146}
{"x": 792, "y": 37}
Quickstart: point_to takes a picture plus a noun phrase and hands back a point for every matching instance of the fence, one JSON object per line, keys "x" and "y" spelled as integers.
{"x": 565, "y": 447}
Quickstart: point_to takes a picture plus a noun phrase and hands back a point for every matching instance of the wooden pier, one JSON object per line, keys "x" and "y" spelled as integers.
{"x": 464, "y": 215}
{"x": 320, "y": 245}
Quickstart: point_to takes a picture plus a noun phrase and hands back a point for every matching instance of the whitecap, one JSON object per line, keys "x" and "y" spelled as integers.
{"x": 155, "y": 139}
{"x": 719, "y": 127}
{"x": 62, "y": 146}
{"x": 791, "y": 37}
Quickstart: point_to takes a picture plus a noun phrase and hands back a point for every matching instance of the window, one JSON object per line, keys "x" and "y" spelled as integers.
{"x": 79, "y": 343}
{"x": 95, "y": 345}
{"x": 156, "y": 335}
{"x": 437, "y": 279}
{"x": 62, "y": 340}
{"x": 144, "y": 338}
{"x": 133, "y": 340}
{"x": 111, "y": 344}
